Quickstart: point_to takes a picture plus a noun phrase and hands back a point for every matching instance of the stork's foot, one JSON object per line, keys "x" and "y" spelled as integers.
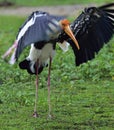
{"x": 35, "y": 114}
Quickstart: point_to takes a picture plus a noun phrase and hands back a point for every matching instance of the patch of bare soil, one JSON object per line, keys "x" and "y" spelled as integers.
{"x": 67, "y": 10}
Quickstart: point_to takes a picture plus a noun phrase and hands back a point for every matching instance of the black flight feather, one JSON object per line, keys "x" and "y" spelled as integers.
{"x": 93, "y": 28}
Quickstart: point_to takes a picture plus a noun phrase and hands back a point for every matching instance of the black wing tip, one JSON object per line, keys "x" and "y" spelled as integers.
{"x": 26, "y": 65}
{"x": 106, "y": 6}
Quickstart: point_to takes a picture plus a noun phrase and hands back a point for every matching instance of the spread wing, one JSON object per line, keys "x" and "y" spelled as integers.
{"x": 93, "y": 28}
{"x": 37, "y": 29}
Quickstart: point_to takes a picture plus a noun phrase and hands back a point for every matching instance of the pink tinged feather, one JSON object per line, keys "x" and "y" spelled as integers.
{"x": 10, "y": 50}
{"x": 12, "y": 59}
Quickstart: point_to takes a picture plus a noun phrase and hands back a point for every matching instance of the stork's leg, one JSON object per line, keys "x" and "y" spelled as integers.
{"x": 35, "y": 114}
{"x": 48, "y": 83}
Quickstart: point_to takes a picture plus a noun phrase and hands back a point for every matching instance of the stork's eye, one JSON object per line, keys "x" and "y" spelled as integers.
{"x": 63, "y": 24}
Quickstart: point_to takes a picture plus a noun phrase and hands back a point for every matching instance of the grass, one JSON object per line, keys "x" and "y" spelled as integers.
{"x": 56, "y": 2}
{"x": 75, "y": 106}
{"x": 82, "y": 97}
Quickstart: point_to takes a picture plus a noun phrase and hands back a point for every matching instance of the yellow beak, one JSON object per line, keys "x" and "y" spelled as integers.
{"x": 70, "y": 34}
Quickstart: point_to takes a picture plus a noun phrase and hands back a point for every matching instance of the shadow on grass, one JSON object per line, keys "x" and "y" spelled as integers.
{"x": 6, "y": 3}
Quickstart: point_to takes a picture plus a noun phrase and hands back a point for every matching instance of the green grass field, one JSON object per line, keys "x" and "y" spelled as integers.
{"x": 82, "y": 97}
{"x": 55, "y": 2}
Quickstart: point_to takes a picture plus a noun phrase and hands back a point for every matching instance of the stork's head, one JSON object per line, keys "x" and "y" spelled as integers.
{"x": 65, "y": 25}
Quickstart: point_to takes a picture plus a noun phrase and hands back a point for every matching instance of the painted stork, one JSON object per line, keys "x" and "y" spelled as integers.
{"x": 93, "y": 28}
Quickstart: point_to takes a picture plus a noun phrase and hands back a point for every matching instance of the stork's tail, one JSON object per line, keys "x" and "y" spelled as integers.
{"x": 30, "y": 66}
